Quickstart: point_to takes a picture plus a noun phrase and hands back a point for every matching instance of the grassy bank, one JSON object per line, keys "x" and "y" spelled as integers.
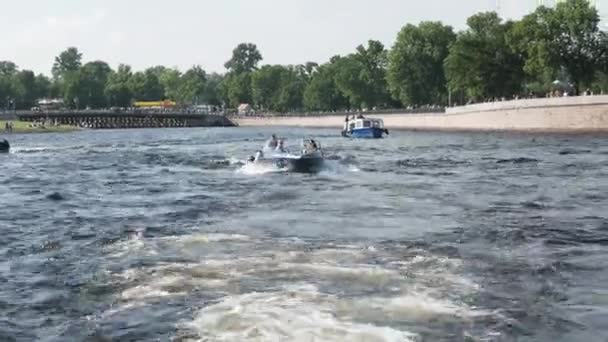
{"x": 24, "y": 127}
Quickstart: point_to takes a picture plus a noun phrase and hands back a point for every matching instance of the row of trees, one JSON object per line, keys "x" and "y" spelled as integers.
{"x": 96, "y": 85}
{"x": 428, "y": 64}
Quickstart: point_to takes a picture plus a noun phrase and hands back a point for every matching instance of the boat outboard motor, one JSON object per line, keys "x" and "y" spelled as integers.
{"x": 4, "y": 146}
{"x": 386, "y": 131}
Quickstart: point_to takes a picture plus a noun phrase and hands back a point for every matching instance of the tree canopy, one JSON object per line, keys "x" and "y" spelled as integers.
{"x": 415, "y": 73}
{"x": 245, "y": 58}
{"x": 562, "y": 42}
{"x": 480, "y": 63}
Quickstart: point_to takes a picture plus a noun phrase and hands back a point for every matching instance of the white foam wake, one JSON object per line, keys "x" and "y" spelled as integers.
{"x": 294, "y": 314}
{"x": 252, "y": 169}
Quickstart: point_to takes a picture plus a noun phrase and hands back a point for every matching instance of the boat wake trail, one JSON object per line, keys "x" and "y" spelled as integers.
{"x": 286, "y": 289}
{"x": 253, "y": 169}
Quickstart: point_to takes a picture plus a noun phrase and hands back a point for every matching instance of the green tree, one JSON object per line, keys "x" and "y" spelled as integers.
{"x": 170, "y": 80}
{"x": 265, "y": 86}
{"x": 374, "y": 59}
{"x": 212, "y": 93}
{"x": 192, "y": 86}
{"x": 8, "y": 70}
{"x": 92, "y": 80}
{"x": 564, "y": 38}
{"x": 145, "y": 86}
{"x": 240, "y": 90}
{"x": 291, "y": 93}
{"x": 43, "y": 86}
{"x": 322, "y": 92}
{"x": 415, "y": 73}
{"x": 361, "y": 76}
{"x": 306, "y": 71}
{"x": 600, "y": 86}
{"x": 480, "y": 62}
{"x": 68, "y": 61}
{"x": 24, "y": 89}
{"x": 245, "y": 58}
{"x": 66, "y": 75}
{"x": 117, "y": 89}
{"x": 529, "y": 37}
{"x": 349, "y": 80}
{"x": 278, "y": 88}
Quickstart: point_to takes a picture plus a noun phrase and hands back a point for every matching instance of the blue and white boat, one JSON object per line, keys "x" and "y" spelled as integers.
{"x": 361, "y": 127}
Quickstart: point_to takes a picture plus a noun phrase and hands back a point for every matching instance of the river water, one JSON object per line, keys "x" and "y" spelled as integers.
{"x": 164, "y": 235}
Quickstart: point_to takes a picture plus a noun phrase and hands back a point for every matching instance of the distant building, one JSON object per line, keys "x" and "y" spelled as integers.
{"x": 245, "y": 109}
{"x": 50, "y": 104}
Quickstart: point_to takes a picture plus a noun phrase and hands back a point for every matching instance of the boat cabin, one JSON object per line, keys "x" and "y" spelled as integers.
{"x": 365, "y": 123}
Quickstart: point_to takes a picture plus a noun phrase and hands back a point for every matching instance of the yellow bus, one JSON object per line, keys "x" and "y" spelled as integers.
{"x": 148, "y": 104}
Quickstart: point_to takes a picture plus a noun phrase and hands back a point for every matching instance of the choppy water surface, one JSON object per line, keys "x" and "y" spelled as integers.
{"x": 165, "y": 235}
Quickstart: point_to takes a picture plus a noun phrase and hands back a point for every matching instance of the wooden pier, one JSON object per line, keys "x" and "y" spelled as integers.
{"x": 106, "y": 119}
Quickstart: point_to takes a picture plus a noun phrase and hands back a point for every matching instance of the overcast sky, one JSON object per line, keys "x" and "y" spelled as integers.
{"x": 181, "y": 33}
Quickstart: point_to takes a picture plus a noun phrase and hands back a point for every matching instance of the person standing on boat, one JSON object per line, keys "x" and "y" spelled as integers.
{"x": 345, "y": 125}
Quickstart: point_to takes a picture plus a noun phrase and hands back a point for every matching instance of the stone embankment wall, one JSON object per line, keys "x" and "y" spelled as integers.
{"x": 564, "y": 114}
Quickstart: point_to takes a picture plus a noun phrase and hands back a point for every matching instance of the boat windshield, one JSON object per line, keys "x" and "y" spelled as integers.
{"x": 367, "y": 123}
{"x": 377, "y": 123}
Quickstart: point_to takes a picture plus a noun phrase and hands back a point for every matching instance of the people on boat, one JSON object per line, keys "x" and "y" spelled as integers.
{"x": 272, "y": 143}
{"x": 310, "y": 146}
{"x": 345, "y": 129}
{"x": 281, "y": 146}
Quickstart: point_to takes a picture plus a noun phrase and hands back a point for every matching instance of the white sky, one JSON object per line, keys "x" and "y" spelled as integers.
{"x": 181, "y": 33}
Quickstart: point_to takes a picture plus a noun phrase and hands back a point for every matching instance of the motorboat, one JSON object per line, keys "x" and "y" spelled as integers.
{"x": 361, "y": 127}
{"x": 310, "y": 160}
{"x": 4, "y": 146}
